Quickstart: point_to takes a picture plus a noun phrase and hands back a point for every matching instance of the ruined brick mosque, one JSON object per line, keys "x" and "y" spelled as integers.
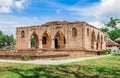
{"x": 60, "y": 38}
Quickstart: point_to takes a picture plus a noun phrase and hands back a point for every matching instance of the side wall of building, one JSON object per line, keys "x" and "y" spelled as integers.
{"x": 94, "y": 39}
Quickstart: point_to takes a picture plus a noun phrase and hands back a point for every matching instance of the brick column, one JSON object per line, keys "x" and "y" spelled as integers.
{"x": 29, "y": 43}
{"x": 95, "y": 45}
{"x": 52, "y": 43}
{"x": 40, "y": 43}
{"x": 99, "y": 46}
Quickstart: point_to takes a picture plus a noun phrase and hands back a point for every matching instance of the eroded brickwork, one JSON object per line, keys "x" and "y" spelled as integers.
{"x": 61, "y": 35}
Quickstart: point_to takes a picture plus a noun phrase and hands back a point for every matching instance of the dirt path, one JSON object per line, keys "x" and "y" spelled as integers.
{"x": 53, "y": 62}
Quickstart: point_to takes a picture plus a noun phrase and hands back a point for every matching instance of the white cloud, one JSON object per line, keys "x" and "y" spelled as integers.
{"x": 96, "y": 14}
{"x": 8, "y": 26}
{"x": 101, "y": 11}
{"x": 108, "y": 8}
{"x": 5, "y": 10}
{"x": 21, "y": 3}
{"x": 6, "y": 6}
{"x": 96, "y": 24}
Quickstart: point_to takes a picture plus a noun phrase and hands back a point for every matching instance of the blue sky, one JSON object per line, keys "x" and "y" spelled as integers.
{"x": 17, "y": 13}
{"x": 56, "y": 9}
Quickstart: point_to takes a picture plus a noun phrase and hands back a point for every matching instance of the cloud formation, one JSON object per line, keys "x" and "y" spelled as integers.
{"x": 96, "y": 13}
{"x": 8, "y": 26}
{"x": 100, "y": 12}
{"x": 6, "y": 6}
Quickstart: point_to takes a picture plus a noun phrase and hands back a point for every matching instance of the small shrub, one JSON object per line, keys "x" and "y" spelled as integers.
{"x": 25, "y": 58}
{"x": 107, "y": 51}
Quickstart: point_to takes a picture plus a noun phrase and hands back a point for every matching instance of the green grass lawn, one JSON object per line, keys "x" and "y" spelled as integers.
{"x": 107, "y": 67}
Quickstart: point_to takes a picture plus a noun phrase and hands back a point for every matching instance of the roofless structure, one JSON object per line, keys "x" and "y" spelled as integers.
{"x": 60, "y": 38}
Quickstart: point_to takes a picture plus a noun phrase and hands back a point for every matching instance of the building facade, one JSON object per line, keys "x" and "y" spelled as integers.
{"x": 60, "y": 35}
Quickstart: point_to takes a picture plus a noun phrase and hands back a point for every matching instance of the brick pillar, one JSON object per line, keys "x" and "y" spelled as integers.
{"x": 52, "y": 43}
{"x": 99, "y": 46}
{"x": 29, "y": 43}
{"x": 40, "y": 43}
{"x": 95, "y": 45}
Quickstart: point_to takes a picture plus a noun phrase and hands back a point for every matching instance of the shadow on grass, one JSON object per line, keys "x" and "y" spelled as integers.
{"x": 65, "y": 71}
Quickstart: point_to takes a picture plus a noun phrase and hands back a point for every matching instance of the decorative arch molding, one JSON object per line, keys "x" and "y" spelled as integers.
{"x": 34, "y": 41}
{"x": 46, "y": 39}
{"x": 93, "y": 39}
{"x": 59, "y": 39}
{"x": 98, "y": 38}
{"x": 32, "y": 33}
{"x": 98, "y": 41}
{"x": 74, "y": 31}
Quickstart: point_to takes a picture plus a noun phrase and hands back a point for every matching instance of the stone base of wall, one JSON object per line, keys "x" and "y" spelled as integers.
{"x": 46, "y": 53}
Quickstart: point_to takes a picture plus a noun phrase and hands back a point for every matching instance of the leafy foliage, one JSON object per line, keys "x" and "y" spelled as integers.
{"x": 114, "y": 34}
{"x": 111, "y": 29}
{"x": 113, "y": 23}
{"x": 6, "y": 40}
{"x": 25, "y": 58}
{"x": 107, "y": 51}
{"x": 32, "y": 41}
{"x": 104, "y": 29}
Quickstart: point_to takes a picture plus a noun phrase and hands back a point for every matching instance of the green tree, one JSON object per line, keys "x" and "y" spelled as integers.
{"x": 104, "y": 29}
{"x": 1, "y": 33}
{"x": 6, "y": 40}
{"x": 112, "y": 23}
{"x": 114, "y": 34}
{"x": 9, "y": 40}
{"x": 111, "y": 28}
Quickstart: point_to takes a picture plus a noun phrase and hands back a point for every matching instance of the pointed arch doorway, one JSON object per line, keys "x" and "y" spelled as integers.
{"x": 34, "y": 41}
{"x": 60, "y": 40}
{"x": 92, "y": 40}
{"x": 46, "y": 40}
{"x": 56, "y": 43}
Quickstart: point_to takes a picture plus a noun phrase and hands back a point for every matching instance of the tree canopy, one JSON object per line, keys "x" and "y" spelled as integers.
{"x": 6, "y": 40}
{"x": 111, "y": 29}
{"x": 112, "y": 23}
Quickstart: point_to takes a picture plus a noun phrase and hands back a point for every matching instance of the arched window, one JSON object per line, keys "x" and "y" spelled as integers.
{"x": 74, "y": 32}
{"x": 22, "y": 34}
{"x": 87, "y": 31}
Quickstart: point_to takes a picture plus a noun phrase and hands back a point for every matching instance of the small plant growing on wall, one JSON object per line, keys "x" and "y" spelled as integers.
{"x": 25, "y": 58}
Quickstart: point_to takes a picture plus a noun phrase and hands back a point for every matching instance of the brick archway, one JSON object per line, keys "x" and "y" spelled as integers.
{"x": 92, "y": 40}
{"x": 46, "y": 40}
{"x": 34, "y": 41}
{"x": 98, "y": 42}
{"x": 59, "y": 40}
